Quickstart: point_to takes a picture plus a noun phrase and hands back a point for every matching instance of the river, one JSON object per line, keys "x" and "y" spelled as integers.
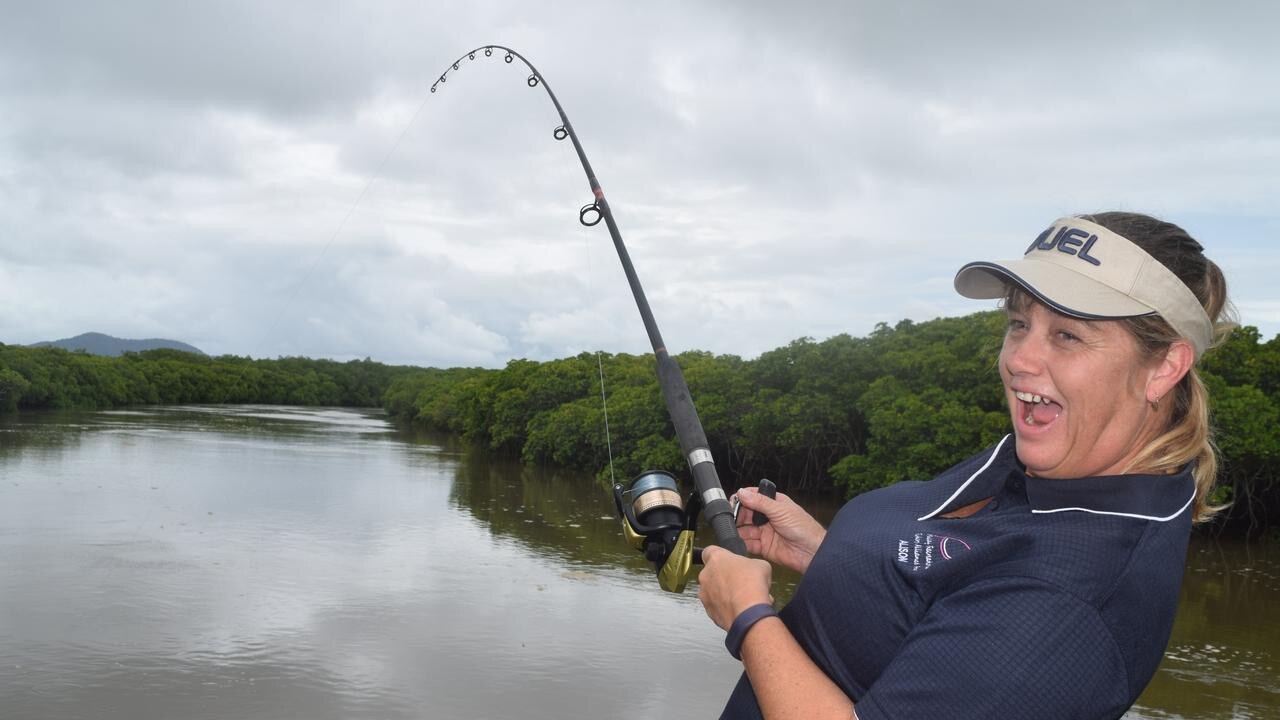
{"x": 267, "y": 562}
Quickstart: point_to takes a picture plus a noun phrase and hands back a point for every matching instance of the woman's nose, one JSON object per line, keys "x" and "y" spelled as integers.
{"x": 1024, "y": 355}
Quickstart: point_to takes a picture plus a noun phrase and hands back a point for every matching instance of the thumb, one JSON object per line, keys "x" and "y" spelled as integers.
{"x": 752, "y": 499}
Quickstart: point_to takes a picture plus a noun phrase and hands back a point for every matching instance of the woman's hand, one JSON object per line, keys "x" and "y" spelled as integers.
{"x": 791, "y": 536}
{"x": 729, "y": 584}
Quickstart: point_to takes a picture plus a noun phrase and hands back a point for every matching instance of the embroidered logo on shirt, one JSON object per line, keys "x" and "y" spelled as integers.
{"x": 942, "y": 546}
{"x": 926, "y": 548}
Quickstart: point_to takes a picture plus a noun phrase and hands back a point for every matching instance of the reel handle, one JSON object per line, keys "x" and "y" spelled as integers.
{"x": 769, "y": 490}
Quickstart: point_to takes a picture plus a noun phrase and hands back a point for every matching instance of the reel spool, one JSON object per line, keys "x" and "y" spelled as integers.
{"x": 659, "y": 524}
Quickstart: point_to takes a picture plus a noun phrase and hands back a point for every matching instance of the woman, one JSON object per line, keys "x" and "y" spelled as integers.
{"x": 1039, "y": 578}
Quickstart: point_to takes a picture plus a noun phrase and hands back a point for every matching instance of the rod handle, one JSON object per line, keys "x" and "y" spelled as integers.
{"x": 727, "y": 534}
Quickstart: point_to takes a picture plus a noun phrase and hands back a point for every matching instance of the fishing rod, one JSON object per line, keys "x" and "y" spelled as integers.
{"x": 655, "y": 519}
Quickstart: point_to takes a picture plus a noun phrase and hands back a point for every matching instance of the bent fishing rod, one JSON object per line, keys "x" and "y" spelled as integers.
{"x": 655, "y": 519}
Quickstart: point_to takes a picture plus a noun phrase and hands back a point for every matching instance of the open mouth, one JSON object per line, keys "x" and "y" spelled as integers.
{"x": 1036, "y": 410}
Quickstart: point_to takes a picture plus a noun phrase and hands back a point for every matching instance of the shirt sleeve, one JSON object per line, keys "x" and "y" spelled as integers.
{"x": 1005, "y": 648}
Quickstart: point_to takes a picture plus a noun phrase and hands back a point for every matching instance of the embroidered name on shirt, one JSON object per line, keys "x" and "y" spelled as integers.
{"x": 924, "y": 549}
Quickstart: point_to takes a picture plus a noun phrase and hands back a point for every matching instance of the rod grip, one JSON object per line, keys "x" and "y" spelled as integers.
{"x": 726, "y": 534}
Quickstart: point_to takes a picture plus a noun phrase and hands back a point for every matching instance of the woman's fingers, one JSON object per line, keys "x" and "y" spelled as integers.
{"x": 751, "y": 498}
{"x": 709, "y": 552}
{"x": 728, "y": 584}
{"x": 742, "y": 514}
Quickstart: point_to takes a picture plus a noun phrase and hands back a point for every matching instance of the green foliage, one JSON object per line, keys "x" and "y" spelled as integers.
{"x": 802, "y": 415}
{"x": 1241, "y": 376}
{"x": 937, "y": 400}
{"x": 47, "y": 377}
{"x": 1247, "y": 421}
{"x": 567, "y": 435}
{"x": 904, "y": 402}
{"x": 12, "y": 387}
{"x": 915, "y": 435}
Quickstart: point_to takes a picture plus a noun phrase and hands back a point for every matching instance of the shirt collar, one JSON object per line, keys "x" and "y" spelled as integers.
{"x": 1144, "y": 497}
{"x": 981, "y": 476}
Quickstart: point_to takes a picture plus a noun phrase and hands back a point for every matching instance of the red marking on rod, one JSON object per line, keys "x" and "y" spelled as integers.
{"x": 599, "y": 193}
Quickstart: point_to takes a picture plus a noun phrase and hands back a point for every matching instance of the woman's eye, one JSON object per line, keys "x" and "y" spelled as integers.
{"x": 1016, "y": 325}
{"x": 1066, "y": 336}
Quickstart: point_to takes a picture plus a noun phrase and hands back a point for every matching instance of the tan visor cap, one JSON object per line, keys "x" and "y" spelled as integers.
{"x": 1084, "y": 270}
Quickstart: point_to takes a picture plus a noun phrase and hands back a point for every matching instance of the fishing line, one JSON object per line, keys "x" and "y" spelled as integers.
{"x": 377, "y": 175}
{"x": 297, "y": 288}
{"x": 604, "y": 400}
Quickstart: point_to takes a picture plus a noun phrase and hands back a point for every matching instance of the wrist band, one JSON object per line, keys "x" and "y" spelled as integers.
{"x": 742, "y": 623}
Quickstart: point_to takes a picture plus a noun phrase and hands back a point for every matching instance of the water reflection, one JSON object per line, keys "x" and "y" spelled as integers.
{"x": 565, "y": 515}
{"x": 1224, "y": 655}
{"x": 256, "y": 562}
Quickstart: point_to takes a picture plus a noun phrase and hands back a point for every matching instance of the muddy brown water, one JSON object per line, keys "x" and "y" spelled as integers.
{"x": 267, "y": 562}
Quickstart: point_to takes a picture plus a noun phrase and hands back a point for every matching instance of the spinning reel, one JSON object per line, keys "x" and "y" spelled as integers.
{"x": 659, "y": 524}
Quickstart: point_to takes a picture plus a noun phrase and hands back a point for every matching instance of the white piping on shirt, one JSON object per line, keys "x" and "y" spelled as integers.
{"x": 1129, "y": 515}
{"x": 975, "y": 474}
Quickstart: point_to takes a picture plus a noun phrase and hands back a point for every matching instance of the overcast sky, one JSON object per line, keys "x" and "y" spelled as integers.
{"x": 191, "y": 170}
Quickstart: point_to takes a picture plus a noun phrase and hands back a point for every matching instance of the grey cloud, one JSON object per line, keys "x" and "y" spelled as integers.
{"x": 280, "y": 58}
{"x": 188, "y": 169}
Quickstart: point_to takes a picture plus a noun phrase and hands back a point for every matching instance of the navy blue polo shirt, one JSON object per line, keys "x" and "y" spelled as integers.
{"x": 1055, "y": 600}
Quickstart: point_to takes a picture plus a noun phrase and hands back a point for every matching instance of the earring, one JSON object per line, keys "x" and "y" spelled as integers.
{"x": 1155, "y": 404}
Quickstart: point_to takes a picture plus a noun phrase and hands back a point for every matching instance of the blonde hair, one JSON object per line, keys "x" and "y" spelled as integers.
{"x": 1188, "y": 434}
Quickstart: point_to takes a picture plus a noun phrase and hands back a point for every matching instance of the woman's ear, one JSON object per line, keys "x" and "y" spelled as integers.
{"x": 1170, "y": 370}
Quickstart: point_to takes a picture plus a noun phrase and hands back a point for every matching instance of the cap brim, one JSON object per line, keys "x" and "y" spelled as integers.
{"x": 1052, "y": 285}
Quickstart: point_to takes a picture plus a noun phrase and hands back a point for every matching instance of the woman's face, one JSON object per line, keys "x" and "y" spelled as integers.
{"x": 1077, "y": 392}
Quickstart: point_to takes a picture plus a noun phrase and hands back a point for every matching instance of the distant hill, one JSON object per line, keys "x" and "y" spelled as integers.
{"x": 99, "y": 344}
